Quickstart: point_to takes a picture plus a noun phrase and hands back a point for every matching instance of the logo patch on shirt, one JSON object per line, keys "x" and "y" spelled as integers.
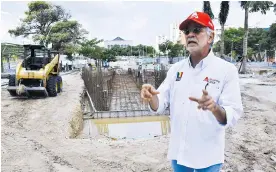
{"x": 179, "y": 76}
{"x": 211, "y": 81}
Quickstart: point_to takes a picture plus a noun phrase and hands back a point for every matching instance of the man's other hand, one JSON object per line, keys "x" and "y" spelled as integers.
{"x": 147, "y": 92}
{"x": 206, "y": 102}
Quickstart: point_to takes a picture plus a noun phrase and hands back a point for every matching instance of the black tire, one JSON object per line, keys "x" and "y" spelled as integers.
{"x": 12, "y": 83}
{"x": 51, "y": 86}
{"x": 60, "y": 84}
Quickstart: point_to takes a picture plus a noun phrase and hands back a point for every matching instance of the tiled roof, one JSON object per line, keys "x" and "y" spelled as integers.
{"x": 118, "y": 39}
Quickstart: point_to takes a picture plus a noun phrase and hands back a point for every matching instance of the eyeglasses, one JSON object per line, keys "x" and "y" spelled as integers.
{"x": 195, "y": 30}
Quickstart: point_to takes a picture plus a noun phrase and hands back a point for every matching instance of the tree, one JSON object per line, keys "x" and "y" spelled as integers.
{"x": 207, "y": 9}
{"x": 65, "y": 32}
{"x": 8, "y": 51}
{"x": 149, "y": 50}
{"x": 223, "y": 14}
{"x": 232, "y": 41}
{"x": 108, "y": 55}
{"x": 143, "y": 50}
{"x": 117, "y": 50}
{"x": 39, "y": 18}
{"x": 251, "y": 6}
{"x": 259, "y": 40}
{"x": 176, "y": 50}
{"x": 166, "y": 46}
{"x": 90, "y": 49}
{"x": 69, "y": 50}
{"x": 272, "y": 34}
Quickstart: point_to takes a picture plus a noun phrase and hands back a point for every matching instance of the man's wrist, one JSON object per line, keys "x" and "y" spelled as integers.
{"x": 220, "y": 114}
{"x": 215, "y": 109}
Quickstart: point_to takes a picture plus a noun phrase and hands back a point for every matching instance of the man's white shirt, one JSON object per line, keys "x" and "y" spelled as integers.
{"x": 197, "y": 139}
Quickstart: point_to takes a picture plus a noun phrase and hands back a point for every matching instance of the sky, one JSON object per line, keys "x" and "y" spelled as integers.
{"x": 138, "y": 21}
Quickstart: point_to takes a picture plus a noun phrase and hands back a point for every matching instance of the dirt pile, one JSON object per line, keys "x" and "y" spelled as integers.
{"x": 36, "y": 136}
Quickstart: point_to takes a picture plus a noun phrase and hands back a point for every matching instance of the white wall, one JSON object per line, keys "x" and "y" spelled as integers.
{"x": 159, "y": 40}
{"x": 175, "y": 33}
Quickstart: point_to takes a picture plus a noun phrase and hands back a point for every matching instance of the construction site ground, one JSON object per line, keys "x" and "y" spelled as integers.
{"x": 38, "y": 135}
{"x": 126, "y": 95}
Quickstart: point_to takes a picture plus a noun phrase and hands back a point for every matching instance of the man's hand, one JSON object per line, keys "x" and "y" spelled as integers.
{"x": 147, "y": 92}
{"x": 206, "y": 102}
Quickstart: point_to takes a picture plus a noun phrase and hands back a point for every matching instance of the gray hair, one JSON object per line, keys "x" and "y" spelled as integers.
{"x": 209, "y": 31}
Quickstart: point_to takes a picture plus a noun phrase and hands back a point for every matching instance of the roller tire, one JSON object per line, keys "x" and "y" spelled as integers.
{"x": 60, "y": 84}
{"x": 12, "y": 83}
{"x": 52, "y": 86}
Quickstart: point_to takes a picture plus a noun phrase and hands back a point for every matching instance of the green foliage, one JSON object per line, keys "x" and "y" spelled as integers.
{"x": 231, "y": 35}
{"x": 207, "y": 9}
{"x": 139, "y": 50}
{"x": 272, "y": 34}
{"x": 69, "y": 50}
{"x": 174, "y": 50}
{"x": 262, "y": 6}
{"x": 90, "y": 49}
{"x": 234, "y": 54}
{"x": 216, "y": 46}
{"x": 166, "y": 46}
{"x": 14, "y": 50}
{"x": 250, "y": 52}
{"x": 249, "y": 7}
{"x": 224, "y": 10}
{"x": 258, "y": 40}
{"x": 38, "y": 20}
{"x": 109, "y": 55}
{"x": 65, "y": 32}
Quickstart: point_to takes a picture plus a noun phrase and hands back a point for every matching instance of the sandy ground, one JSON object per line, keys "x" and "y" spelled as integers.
{"x": 36, "y": 135}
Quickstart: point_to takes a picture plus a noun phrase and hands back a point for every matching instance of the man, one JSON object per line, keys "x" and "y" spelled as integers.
{"x": 203, "y": 94}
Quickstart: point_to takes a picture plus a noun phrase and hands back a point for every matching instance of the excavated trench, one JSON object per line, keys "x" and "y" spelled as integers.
{"x": 130, "y": 127}
{"x": 112, "y": 107}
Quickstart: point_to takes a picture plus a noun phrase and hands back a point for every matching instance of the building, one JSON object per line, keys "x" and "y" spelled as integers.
{"x": 175, "y": 33}
{"x": 182, "y": 39}
{"x": 218, "y": 31}
{"x": 159, "y": 40}
{"x": 118, "y": 41}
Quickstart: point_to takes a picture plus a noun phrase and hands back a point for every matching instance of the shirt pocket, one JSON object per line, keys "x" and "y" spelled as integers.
{"x": 179, "y": 90}
{"x": 213, "y": 89}
{"x": 205, "y": 117}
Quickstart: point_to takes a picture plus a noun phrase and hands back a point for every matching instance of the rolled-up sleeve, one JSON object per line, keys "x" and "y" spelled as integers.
{"x": 164, "y": 95}
{"x": 230, "y": 98}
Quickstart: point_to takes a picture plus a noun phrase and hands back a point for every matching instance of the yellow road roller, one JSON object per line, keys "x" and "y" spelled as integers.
{"x": 38, "y": 74}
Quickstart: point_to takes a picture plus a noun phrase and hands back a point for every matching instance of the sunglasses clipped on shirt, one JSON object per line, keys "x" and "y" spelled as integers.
{"x": 195, "y": 30}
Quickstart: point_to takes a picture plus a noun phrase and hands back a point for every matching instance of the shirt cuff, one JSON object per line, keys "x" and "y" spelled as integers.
{"x": 160, "y": 106}
{"x": 229, "y": 116}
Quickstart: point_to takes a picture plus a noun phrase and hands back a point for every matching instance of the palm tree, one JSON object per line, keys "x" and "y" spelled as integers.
{"x": 250, "y": 7}
{"x": 207, "y": 9}
{"x": 223, "y": 14}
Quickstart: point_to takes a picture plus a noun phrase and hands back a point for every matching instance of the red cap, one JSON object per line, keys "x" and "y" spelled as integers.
{"x": 200, "y": 18}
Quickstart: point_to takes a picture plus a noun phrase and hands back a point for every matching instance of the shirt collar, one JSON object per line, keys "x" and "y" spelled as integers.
{"x": 204, "y": 62}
